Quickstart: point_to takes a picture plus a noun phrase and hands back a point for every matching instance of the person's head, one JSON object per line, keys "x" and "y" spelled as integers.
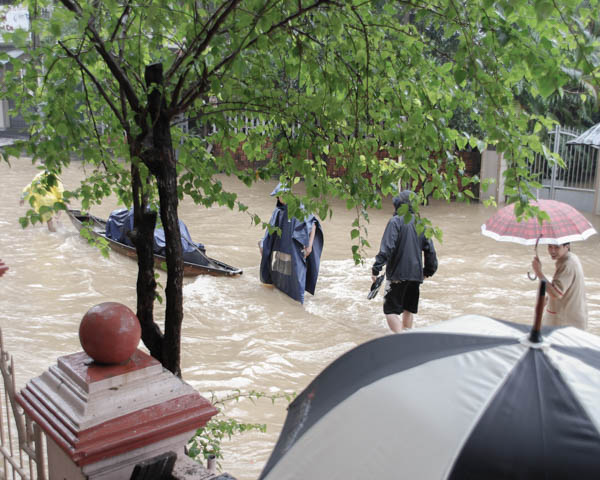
{"x": 402, "y": 198}
{"x": 558, "y": 251}
{"x": 279, "y": 189}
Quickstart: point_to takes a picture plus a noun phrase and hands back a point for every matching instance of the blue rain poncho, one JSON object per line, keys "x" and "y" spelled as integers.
{"x": 283, "y": 263}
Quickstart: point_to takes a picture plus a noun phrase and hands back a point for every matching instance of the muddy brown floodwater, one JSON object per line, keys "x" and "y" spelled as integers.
{"x": 238, "y": 333}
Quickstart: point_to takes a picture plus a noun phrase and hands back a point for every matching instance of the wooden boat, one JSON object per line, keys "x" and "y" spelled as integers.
{"x": 194, "y": 264}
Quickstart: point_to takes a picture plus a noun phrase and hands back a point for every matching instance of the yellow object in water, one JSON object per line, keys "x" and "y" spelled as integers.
{"x": 38, "y": 194}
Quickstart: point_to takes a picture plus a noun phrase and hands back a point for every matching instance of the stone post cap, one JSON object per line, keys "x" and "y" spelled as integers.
{"x": 109, "y": 333}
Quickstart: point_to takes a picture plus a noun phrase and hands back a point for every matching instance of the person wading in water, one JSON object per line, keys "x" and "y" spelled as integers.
{"x": 402, "y": 251}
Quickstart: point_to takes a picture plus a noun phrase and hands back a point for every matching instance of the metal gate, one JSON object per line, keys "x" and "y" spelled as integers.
{"x": 21, "y": 440}
{"x": 576, "y": 183}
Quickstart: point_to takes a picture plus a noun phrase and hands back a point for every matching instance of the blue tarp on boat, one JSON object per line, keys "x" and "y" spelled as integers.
{"x": 283, "y": 263}
{"x": 118, "y": 224}
{"x": 121, "y": 221}
{"x": 187, "y": 243}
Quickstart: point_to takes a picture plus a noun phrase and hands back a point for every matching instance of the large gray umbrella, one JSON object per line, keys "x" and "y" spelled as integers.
{"x": 469, "y": 398}
{"x": 590, "y": 137}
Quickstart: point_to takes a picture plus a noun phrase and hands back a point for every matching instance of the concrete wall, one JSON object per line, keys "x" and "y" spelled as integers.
{"x": 492, "y": 167}
{"x": 4, "y": 119}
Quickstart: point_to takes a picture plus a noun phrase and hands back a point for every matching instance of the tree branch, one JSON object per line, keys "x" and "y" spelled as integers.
{"x": 118, "y": 25}
{"x": 95, "y": 81}
{"x": 196, "y": 51}
{"x": 196, "y": 90}
{"x": 368, "y": 62}
{"x": 107, "y": 56}
{"x": 92, "y": 117}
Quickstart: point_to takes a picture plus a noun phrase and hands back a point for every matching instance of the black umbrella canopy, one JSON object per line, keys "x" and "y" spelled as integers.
{"x": 472, "y": 397}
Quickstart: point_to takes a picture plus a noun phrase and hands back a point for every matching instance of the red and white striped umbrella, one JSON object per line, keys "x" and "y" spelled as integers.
{"x": 566, "y": 225}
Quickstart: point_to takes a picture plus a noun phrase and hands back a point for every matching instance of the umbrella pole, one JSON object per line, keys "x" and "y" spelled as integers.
{"x": 533, "y": 277}
{"x": 535, "y": 335}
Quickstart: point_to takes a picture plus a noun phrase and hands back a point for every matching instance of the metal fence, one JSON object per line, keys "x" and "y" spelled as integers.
{"x": 573, "y": 184}
{"x": 22, "y": 443}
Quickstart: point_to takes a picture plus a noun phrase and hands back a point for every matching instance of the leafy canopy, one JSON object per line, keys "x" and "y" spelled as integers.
{"x": 368, "y": 89}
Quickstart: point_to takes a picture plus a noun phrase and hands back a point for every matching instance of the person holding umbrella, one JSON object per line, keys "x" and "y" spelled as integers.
{"x": 566, "y": 302}
{"x": 401, "y": 251}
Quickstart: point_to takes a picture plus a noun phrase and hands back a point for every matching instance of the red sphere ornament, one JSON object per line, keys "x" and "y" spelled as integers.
{"x": 109, "y": 333}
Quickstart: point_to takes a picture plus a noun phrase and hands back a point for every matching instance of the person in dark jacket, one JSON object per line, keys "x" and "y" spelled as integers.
{"x": 402, "y": 251}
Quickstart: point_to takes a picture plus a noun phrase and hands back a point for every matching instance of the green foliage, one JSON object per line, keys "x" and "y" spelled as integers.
{"x": 335, "y": 87}
{"x": 208, "y": 440}
{"x": 99, "y": 242}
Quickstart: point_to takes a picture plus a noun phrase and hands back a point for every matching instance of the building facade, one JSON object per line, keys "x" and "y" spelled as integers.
{"x": 12, "y": 17}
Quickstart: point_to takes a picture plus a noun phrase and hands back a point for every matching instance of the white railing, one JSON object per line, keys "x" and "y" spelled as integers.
{"x": 22, "y": 445}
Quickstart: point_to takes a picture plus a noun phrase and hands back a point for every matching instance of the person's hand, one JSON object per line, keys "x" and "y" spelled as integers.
{"x": 3, "y": 268}
{"x": 307, "y": 251}
{"x": 536, "y": 264}
{"x": 260, "y": 247}
{"x": 373, "y": 278}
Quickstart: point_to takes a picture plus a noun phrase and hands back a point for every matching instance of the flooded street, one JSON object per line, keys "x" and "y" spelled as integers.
{"x": 238, "y": 333}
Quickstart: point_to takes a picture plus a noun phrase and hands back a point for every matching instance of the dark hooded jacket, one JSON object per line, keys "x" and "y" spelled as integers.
{"x": 401, "y": 249}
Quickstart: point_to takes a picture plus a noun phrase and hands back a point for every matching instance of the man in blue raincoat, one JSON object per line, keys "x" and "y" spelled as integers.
{"x": 290, "y": 260}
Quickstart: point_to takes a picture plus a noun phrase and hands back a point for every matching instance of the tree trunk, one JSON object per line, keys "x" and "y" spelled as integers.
{"x": 160, "y": 159}
{"x": 142, "y": 237}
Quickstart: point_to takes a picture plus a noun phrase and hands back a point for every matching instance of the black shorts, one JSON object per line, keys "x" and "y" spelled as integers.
{"x": 401, "y": 296}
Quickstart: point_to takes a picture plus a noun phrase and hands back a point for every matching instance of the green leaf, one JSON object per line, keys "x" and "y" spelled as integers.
{"x": 56, "y": 28}
{"x": 459, "y": 76}
{"x": 543, "y": 9}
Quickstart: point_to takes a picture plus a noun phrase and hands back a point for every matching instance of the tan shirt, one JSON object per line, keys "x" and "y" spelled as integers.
{"x": 570, "y": 308}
